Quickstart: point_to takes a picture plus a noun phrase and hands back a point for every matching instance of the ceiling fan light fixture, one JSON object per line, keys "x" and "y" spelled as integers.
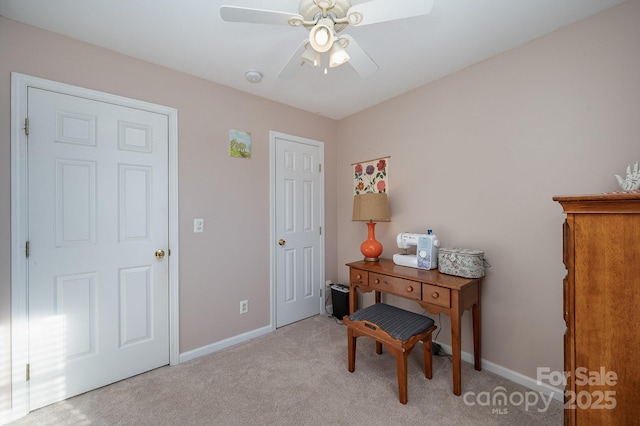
{"x": 337, "y": 55}
{"x": 321, "y": 36}
{"x": 311, "y": 57}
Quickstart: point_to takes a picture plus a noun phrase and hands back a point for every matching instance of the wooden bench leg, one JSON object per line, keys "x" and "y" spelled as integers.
{"x": 401, "y": 362}
{"x": 351, "y": 343}
{"x": 428, "y": 357}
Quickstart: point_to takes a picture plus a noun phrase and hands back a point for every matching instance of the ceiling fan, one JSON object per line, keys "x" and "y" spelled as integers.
{"x": 325, "y": 19}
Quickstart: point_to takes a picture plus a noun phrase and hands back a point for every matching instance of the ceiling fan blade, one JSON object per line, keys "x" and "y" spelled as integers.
{"x": 359, "y": 59}
{"x": 294, "y": 63}
{"x": 255, "y": 16}
{"x": 377, "y": 11}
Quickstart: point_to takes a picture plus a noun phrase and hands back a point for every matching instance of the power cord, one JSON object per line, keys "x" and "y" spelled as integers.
{"x": 436, "y": 349}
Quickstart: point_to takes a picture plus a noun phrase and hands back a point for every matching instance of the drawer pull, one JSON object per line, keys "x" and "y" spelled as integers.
{"x": 435, "y": 295}
{"x": 409, "y": 289}
{"x": 358, "y": 276}
{"x": 377, "y": 281}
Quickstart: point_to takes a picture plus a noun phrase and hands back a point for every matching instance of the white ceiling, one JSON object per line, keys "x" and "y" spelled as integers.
{"x": 190, "y": 36}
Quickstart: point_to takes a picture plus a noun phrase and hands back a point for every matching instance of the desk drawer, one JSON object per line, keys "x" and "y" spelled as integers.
{"x": 436, "y": 295}
{"x": 358, "y": 277}
{"x": 401, "y": 287}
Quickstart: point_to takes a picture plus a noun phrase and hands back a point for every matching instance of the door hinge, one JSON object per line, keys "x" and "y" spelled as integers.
{"x": 26, "y": 126}
{"x": 28, "y": 372}
{"x": 320, "y": 230}
{"x": 169, "y": 250}
{"x": 319, "y": 168}
{"x": 320, "y": 293}
{"x": 26, "y": 249}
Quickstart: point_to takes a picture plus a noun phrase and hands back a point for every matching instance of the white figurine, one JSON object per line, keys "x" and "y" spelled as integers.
{"x": 632, "y": 181}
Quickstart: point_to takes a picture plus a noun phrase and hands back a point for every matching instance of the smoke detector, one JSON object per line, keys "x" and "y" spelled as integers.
{"x": 253, "y": 76}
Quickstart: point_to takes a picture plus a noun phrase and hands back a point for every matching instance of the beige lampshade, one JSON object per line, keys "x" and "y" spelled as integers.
{"x": 371, "y": 207}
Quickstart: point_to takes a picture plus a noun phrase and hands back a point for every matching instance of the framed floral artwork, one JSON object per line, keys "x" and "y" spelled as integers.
{"x": 371, "y": 176}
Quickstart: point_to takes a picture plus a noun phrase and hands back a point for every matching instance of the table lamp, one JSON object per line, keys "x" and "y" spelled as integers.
{"x": 371, "y": 208}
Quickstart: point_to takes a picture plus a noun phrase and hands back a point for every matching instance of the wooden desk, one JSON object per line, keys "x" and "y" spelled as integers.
{"x": 434, "y": 291}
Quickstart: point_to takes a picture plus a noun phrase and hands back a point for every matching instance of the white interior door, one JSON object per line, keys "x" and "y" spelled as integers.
{"x": 97, "y": 214}
{"x": 298, "y": 221}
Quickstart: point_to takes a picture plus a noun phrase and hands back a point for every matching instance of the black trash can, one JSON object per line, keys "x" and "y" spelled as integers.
{"x": 340, "y": 300}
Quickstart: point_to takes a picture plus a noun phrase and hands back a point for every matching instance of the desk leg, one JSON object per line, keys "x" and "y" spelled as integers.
{"x": 456, "y": 344}
{"x": 378, "y": 344}
{"x": 353, "y": 299}
{"x": 476, "y": 335}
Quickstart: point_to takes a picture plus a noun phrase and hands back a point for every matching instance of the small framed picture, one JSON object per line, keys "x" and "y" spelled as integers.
{"x": 239, "y": 143}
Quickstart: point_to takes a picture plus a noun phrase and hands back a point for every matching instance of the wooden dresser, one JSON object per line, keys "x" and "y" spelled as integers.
{"x": 601, "y": 252}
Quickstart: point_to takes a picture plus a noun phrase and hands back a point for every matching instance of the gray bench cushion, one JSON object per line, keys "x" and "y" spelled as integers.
{"x": 399, "y": 323}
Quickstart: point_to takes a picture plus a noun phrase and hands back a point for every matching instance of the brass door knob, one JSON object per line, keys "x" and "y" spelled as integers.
{"x": 159, "y": 254}
{"x": 281, "y": 242}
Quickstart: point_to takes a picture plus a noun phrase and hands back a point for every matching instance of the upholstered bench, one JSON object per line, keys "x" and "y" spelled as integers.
{"x": 398, "y": 330}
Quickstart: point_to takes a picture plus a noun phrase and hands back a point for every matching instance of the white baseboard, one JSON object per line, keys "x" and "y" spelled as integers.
{"x": 511, "y": 375}
{"x": 223, "y": 344}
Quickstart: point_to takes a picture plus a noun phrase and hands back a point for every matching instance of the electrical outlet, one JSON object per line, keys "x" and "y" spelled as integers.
{"x": 244, "y": 306}
{"x": 327, "y": 284}
{"x": 198, "y": 225}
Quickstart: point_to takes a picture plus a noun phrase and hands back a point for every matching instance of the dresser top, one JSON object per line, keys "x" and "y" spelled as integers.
{"x": 616, "y": 202}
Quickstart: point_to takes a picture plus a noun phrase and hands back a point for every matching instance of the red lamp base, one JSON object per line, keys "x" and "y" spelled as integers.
{"x": 371, "y": 248}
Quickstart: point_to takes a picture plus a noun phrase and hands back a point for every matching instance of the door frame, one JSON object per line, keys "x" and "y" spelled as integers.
{"x": 19, "y": 223}
{"x": 273, "y": 135}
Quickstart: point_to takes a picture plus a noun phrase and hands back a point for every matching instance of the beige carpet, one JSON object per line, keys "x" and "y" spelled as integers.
{"x": 298, "y": 376}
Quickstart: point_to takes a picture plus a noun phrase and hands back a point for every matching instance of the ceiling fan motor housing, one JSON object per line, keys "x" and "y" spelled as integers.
{"x": 310, "y": 8}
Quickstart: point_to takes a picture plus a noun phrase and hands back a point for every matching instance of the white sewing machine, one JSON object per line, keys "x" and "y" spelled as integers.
{"x": 426, "y": 256}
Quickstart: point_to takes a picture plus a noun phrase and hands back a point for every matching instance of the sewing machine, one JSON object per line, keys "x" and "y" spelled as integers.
{"x": 426, "y": 256}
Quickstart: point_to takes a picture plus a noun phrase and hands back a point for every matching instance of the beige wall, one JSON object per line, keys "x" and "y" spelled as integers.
{"x": 231, "y": 194}
{"x": 478, "y": 156}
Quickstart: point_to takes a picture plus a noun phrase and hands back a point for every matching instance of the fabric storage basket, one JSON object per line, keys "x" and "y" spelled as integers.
{"x": 468, "y": 263}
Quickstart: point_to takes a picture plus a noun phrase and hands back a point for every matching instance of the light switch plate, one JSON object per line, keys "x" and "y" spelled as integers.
{"x": 198, "y": 225}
